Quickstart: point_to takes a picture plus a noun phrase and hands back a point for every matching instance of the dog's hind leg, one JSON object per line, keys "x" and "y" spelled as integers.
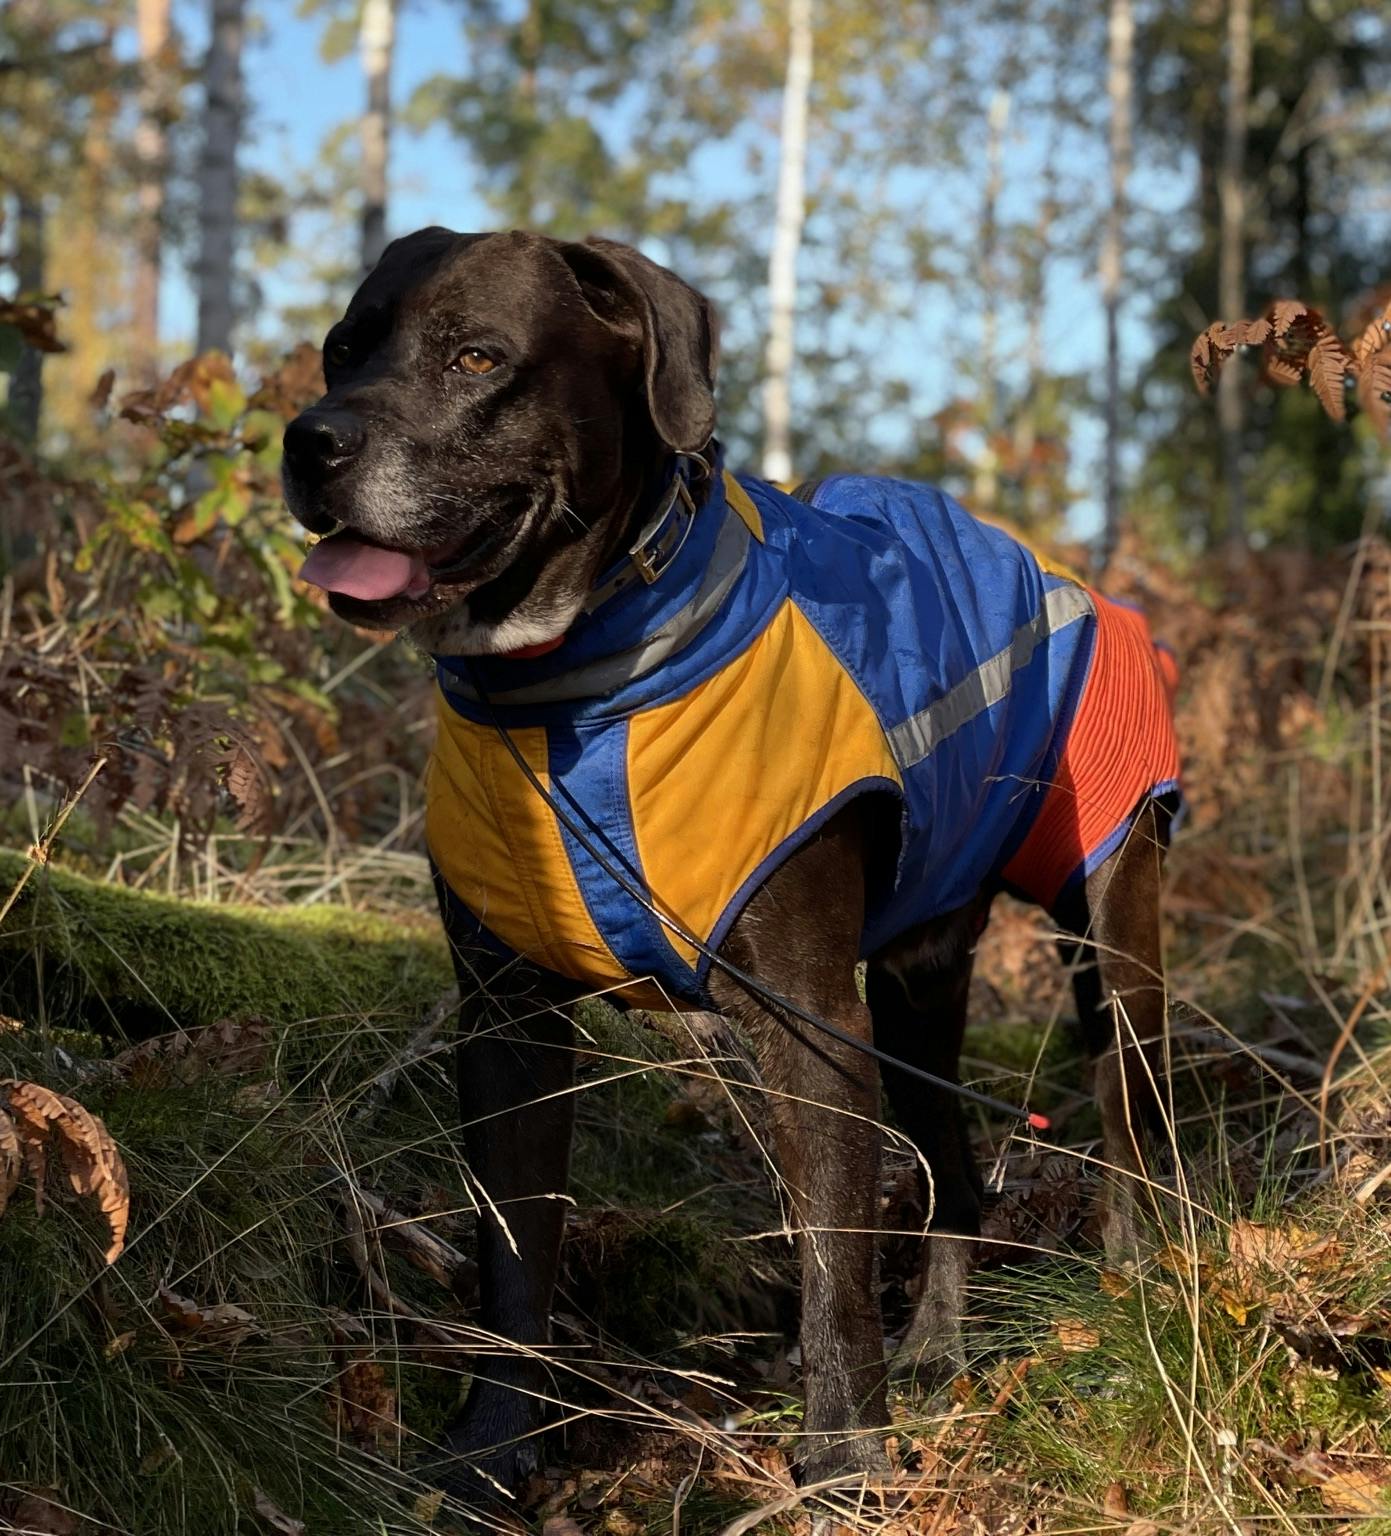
{"x": 917, "y": 989}
{"x": 1118, "y": 978}
{"x": 800, "y": 935}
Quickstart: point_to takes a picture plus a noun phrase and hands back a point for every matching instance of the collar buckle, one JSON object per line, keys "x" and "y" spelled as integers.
{"x": 663, "y": 538}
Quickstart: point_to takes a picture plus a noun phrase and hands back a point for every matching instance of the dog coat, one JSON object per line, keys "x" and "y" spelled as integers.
{"x": 774, "y": 660}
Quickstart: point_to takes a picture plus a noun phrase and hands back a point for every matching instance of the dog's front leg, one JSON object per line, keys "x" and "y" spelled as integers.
{"x": 515, "y": 1071}
{"x": 800, "y": 935}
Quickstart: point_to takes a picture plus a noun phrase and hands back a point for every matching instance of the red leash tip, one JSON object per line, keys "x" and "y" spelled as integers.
{"x": 1039, "y": 1122}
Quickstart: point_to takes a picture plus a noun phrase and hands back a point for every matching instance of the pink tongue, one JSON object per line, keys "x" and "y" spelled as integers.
{"x": 350, "y": 565}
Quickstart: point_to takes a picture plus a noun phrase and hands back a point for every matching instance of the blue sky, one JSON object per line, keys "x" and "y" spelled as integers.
{"x": 296, "y": 100}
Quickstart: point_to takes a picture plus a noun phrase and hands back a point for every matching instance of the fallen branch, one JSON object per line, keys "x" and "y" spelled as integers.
{"x": 422, "y": 1248}
{"x": 376, "y": 1282}
{"x": 379, "y": 1095}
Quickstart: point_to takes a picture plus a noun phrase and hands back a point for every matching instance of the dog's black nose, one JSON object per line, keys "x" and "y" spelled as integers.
{"x": 318, "y": 441}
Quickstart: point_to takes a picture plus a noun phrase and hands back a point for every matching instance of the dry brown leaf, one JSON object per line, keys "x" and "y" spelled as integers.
{"x": 1115, "y": 1282}
{"x": 101, "y": 391}
{"x": 364, "y": 1405}
{"x": 1374, "y": 337}
{"x": 1355, "y": 1492}
{"x": 1114, "y": 1502}
{"x": 275, "y": 1517}
{"x": 119, "y": 1344}
{"x": 249, "y": 785}
{"x": 230, "y": 1047}
{"x": 1216, "y": 344}
{"x": 1203, "y": 359}
{"x": 224, "y": 1321}
{"x": 1280, "y": 371}
{"x": 1374, "y": 389}
{"x": 1177, "y": 1261}
{"x": 94, "y": 1166}
{"x": 426, "y": 1507}
{"x": 1254, "y": 1247}
{"x": 11, "y": 1159}
{"x": 1142, "y": 1528}
{"x": 36, "y": 322}
{"x": 37, "y": 1512}
{"x": 1283, "y": 313}
{"x": 1075, "y": 1336}
{"x": 1328, "y": 366}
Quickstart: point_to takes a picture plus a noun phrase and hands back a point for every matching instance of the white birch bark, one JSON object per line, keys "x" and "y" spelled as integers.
{"x": 986, "y": 481}
{"x": 376, "y": 43}
{"x": 217, "y": 174}
{"x": 1120, "y": 79}
{"x": 787, "y": 242}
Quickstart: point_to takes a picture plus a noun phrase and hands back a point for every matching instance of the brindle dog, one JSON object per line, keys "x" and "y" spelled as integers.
{"x": 501, "y": 415}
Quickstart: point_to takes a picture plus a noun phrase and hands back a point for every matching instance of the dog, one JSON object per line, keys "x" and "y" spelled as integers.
{"x": 705, "y": 743}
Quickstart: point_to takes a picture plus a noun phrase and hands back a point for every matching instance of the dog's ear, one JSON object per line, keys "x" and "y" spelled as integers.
{"x": 676, "y": 326}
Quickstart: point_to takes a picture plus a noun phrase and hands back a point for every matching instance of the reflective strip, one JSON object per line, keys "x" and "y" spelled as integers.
{"x": 597, "y": 679}
{"x": 990, "y": 682}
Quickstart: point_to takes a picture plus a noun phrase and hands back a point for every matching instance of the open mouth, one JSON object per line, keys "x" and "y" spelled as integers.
{"x": 352, "y": 566}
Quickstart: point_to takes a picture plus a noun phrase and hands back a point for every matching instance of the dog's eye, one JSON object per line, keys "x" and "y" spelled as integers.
{"x": 340, "y": 354}
{"x": 474, "y": 360}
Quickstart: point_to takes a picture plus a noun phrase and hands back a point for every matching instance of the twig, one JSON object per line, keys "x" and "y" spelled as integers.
{"x": 423, "y": 1248}
{"x": 998, "y": 1404}
{"x": 39, "y": 853}
{"x": 377, "y": 1285}
{"x": 384, "y": 1086}
{"x": 756, "y": 1517}
{"x": 1339, "y": 1046}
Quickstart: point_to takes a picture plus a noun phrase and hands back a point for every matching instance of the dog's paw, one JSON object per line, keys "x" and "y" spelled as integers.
{"x": 487, "y": 1462}
{"x": 931, "y": 1355}
{"x": 843, "y": 1458}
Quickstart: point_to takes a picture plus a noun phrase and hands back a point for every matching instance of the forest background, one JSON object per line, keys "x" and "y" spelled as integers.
{"x": 971, "y": 243}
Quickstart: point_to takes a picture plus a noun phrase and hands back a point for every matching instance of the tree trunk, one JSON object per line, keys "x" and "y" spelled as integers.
{"x": 986, "y": 485}
{"x": 376, "y": 40}
{"x": 787, "y": 241}
{"x": 1231, "y": 262}
{"x": 152, "y": 35}
{"x": 1119, "y": 89}
{"x": 26, "y": 382}
{"x": 217, "y": 175}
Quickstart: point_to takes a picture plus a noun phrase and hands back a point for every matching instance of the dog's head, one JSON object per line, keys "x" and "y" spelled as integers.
{"x": 498, "y": 407}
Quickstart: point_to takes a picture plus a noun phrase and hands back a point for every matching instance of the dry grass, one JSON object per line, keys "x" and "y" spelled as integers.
{"x": 1238, "y": 1380}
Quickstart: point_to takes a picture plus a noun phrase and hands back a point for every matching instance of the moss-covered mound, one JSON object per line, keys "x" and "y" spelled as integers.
{"x": 82, "y": 954}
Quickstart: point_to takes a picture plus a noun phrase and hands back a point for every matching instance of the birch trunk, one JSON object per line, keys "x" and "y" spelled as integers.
{"x": 376, "y": 43}
{"x": 217, "y": 175}
{"x": 1231, "y": 262}
{"x": 787, "y": 242}
{"x": 1119, "y": 89}
{"x": 152, "y": 37}
{"x": 986, "y": 487}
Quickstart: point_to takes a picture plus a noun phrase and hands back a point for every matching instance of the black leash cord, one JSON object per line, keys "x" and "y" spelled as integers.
{"x": 633, "y": 888}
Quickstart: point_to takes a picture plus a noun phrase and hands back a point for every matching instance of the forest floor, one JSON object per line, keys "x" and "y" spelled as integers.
{"x": 290, "y": 1323}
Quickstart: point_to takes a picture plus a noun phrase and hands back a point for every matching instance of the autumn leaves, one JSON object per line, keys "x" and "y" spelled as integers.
{"x": 1296, "y": 343}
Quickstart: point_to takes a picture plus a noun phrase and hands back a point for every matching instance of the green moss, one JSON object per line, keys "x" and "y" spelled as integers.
{"x": 83, "y": 954}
